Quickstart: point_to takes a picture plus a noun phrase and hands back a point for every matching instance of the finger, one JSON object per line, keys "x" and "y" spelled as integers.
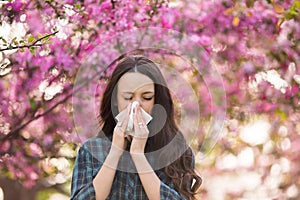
{"x": 137, "y": 128}
{"x": 139, "y": 118}
{"x": 119, "y": 127}
{"x": 135, "y": 117}
{"x": 140, "y": 126}
{"x": 125, "y": 123}
{"x": 140, "y": 115}
{"x": 119, "y": 124}
{"x": 122, "y": 125}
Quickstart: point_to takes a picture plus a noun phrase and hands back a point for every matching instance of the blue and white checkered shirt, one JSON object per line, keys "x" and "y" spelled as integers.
{"x": 126, "y": 185}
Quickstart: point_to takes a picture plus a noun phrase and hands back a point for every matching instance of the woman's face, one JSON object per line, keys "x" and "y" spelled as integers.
{"x": 134, "y": 86}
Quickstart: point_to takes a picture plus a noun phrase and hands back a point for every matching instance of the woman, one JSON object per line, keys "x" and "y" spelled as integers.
{"x": 102, "y": 170}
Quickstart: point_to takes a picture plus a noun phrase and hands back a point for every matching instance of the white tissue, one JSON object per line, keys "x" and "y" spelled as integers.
{"x": 130, "y": 126}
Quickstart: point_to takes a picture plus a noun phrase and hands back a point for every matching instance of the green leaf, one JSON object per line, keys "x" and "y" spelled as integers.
{"x": 14, "y": 40}
{"x": 21, "y": 50}
{"x": 3, "y": 40}
{"x": 31, "y": 39}
{"x": 49, "y": 42}
{"x": 33, "y": 104}
{"x": 32, "y": 50}
{"x": 290, "y": 15}
{"x": 293, "y": 12}
{"x": 22, "y": 42}
{"x": 78, "y": 5}
{"x": 297, "y": 4}
{"x": 281, "y": 114}
{"x": 45, "y": 39}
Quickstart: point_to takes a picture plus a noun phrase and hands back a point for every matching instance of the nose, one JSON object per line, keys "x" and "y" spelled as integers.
{"x": 139, "y": 100}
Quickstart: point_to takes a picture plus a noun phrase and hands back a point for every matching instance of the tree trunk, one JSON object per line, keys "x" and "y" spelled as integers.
{"x": 13, "y": 190}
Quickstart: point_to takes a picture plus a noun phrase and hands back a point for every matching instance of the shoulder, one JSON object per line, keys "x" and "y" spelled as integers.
{"x": 96, "y": 148}
{"x": 96, "y": 142}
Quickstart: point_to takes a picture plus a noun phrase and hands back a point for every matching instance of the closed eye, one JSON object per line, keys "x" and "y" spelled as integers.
{"x": 147, "y": 98}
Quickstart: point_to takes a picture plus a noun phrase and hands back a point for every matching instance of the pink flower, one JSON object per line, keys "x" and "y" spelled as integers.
{"x": 166, "y": 22}
{"x": 69, "y": 1}
{"x": 292, "y": 91}
{"x": 248, "y": 68}
{"x": 48, "y": 140}
{"x": 266, "y": 107}
{"x": 205, "y": 40}
{"x": 5, "y": 146}
{"x": 16, "y": 5}
{"x": 35, "y": 150}
{"x": 107, "y": 5}
{"x": 34, "y": 21}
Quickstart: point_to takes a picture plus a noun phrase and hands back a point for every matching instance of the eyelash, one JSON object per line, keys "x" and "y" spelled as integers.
{"x": 147, "y": 99}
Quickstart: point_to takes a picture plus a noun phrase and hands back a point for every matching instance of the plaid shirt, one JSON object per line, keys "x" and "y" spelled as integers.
{"x": 126, "y": 185}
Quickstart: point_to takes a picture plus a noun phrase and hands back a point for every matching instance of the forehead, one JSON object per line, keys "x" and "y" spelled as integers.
{"x": 134, "y": 81}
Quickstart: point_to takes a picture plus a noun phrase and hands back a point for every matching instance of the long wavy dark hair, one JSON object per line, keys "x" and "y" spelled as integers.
{"x": 181, "y": 172}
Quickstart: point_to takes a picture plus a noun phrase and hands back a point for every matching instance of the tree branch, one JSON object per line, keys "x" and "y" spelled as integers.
{"x": 33, "y": 44}
{"x": 21, "y": 126}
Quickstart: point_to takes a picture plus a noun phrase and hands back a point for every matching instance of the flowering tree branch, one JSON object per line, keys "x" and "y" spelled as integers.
{"x": 35, "y": 43}
{"x": 21, "y": 126}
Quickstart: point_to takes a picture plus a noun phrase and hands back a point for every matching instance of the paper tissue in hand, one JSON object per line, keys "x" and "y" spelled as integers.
{"x": 130, "y": 126}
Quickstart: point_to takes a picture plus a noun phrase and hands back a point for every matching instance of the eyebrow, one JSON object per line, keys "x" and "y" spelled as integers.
{"x": 147, "y": 92}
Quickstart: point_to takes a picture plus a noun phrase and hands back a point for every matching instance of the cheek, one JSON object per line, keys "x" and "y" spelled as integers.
{"x": 147, "y": 106}
{"x": 122, "y": 105}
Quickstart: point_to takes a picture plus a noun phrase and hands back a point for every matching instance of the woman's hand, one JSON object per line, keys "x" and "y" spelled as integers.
{"x": 119, "y": 142}
{"x": 141, "y": 132}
